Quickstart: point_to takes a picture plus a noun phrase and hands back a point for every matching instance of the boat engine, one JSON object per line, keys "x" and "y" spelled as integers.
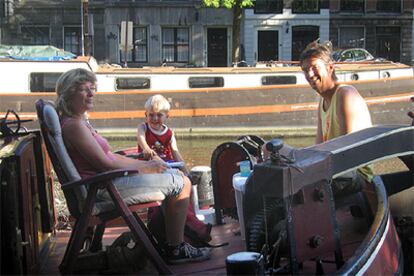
{"x": 292, "y": 216}
{"x": 286, "y": 222}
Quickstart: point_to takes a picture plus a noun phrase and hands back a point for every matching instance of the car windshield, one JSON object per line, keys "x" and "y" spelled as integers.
{"x": 336, "y": 56}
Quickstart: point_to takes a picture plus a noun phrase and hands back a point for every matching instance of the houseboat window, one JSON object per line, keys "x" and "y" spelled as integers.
{"x": 201, "y": 82}
{"x": 36, "y": 35}
{"x": 43, "y": 82}
{"x": 268, "y": 6}
{"x": 72, "y": 39}
{"x": 274, "y": 80}
{"x": 175, "y": 44}
{"x": 132, "y": 83}
{"x": 351, "y": 37}
{"x": 357, "y": 6}
{"x": 140, "y": 44}
{"x": 305, "y": 6}
{"x": 393, "y": 6}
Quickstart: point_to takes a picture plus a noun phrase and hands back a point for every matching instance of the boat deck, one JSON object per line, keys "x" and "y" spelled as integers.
{"x": 352, "y": 233}
{"x": 228, "y": 232}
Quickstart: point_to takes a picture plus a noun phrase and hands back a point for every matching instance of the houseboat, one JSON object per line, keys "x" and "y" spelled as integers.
{"x": 268, "y": 95}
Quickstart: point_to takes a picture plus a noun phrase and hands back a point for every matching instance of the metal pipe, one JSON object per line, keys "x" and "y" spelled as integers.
{"x": 82, "y": 30}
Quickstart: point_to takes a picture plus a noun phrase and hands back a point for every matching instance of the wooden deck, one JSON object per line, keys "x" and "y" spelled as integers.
{"x": 228, "y": 232}
{"x": 353, "y": 230}
{"x": 352, "y": 234}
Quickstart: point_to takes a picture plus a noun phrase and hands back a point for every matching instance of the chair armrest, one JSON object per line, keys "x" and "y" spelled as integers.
{"x": 98, "y": 179}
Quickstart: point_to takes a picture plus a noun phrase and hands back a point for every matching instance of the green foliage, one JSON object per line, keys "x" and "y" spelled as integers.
{"x": 228, "y": 3}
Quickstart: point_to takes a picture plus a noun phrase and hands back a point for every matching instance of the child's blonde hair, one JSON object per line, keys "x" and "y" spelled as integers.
{"x": 157, "y": 102}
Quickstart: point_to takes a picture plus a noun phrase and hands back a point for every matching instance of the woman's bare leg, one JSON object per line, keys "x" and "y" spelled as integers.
{"x": 176, "y": 214}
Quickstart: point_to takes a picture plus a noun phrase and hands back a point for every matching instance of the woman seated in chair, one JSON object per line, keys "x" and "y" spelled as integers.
{"x": 91, "y": 154}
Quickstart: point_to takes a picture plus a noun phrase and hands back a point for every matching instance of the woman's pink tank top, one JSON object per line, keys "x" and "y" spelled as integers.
{"x": 83, "y": 166}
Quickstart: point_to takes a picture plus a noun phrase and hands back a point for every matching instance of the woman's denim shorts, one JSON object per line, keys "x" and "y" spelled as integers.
{"x": 141, "y": 188}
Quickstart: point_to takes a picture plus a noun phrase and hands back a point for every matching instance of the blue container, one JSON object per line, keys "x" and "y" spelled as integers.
{"x": 245, "y": 168}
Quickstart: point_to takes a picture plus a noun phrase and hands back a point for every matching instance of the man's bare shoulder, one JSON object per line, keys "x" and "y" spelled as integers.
{"x": 348, "y": 92}
{"x": 347, "y": 89}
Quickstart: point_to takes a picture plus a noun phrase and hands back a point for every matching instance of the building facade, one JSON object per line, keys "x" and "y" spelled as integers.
{"x": 280, "y": 30}
{"x": 383, "y": 27}
{"x": 180, "y": 33}
{"x": 184, "y": 33}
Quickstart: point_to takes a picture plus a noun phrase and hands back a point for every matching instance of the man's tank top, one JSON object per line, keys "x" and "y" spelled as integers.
{"x": 331, "y": 129}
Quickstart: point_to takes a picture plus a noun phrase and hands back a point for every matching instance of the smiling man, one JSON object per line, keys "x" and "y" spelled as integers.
{"x": 341, "y": 109}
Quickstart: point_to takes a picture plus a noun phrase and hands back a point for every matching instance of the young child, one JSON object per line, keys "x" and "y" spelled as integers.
{"x": 156, "y": 140}
{"x": 154, "y": 137}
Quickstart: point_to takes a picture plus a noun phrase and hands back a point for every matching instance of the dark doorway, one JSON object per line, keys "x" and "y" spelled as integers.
{"x": 217, "y": 47}
{"x": 301, "y": 37}
{"x": 267, "y": 45}
{"x": 388, "y": 43}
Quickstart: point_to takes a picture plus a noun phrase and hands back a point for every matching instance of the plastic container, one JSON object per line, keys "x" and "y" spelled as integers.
{"x": 239, "y": 185}
{"x": 245, "y": 168}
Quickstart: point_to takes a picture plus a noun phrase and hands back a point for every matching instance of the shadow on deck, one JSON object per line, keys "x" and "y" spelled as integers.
{"x": 228, "y": 232}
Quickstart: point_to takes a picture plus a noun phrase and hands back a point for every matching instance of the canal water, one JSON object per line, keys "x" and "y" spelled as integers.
{"x": 198, "y": 151}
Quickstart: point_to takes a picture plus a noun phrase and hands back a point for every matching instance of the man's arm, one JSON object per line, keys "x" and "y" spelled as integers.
{"x": 319, "y": 135}
{"x": 352, "y": 110}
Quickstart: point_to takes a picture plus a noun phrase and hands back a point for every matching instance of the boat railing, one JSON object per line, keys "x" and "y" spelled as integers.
{"x": 360, "y": 260}
{"x": 276, "y": 63}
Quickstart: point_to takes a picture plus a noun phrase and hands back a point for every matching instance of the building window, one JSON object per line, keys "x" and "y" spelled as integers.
{"x": 353, "y": 6}
{"x": 140, "y": 44}
{"x": 305, "y": 6}
{"x": 393, "y": 6}
{"x": 302, "y": 35}
{"x": 73, "y": 40}
{"x": 351, "y": 37}
{"x": 268, "y": 6}
{"x": 35, "y": 35}
{"x": 175, "y": 45}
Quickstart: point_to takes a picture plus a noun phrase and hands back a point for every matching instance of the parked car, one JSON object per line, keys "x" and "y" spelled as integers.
{"x": 354, "y": 54}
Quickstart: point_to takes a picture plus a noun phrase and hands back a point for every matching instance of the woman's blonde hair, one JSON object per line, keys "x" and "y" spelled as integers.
{"x": 68, "y": 85}
{"x": 157, "y": 102}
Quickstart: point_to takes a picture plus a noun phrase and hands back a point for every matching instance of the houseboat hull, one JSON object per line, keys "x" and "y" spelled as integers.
{"x": 276, "y": 96}
{"x": 275, "y": 106}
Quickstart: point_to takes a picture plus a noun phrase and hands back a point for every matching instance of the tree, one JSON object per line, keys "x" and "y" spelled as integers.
{"x": 237, "y": 6}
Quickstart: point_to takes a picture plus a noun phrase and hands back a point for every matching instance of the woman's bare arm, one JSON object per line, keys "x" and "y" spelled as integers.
{"x": 77, "y": 136}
